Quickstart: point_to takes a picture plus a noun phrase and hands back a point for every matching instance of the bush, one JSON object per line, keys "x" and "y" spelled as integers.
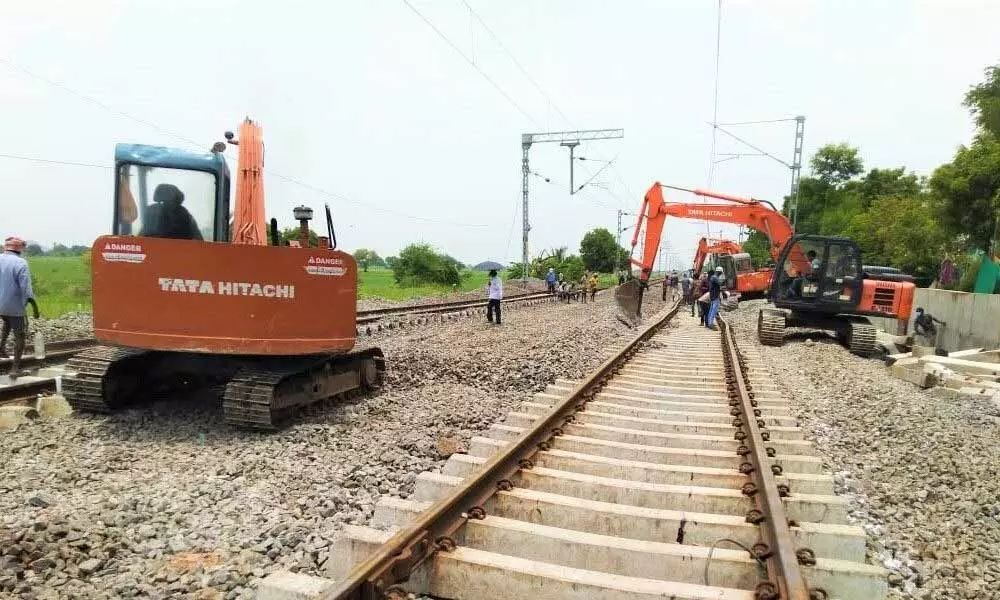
{"x": 419, "y": 264}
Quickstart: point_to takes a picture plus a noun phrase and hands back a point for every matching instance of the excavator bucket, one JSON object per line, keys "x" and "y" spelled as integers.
{"x": 628, "y": 297}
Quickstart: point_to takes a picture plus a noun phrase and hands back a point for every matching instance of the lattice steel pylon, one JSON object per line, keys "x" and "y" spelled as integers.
{"x": 800, "y": 125}
{"x": 569, "y": 138}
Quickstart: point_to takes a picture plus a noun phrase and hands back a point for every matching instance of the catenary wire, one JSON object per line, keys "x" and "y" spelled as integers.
{"x": 286, "y": 178}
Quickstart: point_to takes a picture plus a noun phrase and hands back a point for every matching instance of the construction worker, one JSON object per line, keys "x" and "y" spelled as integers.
{"x": 495, "y": 293}
{"x": 584, "y": 284}
{"x": 15, "y": 295}
{"x": 686, "y": 290}
{"x": 594, "y": 282}
{"x": 550, "y": 280}
{"x": 924, "y": 326}
{"x": 716, "y": 283}
{"x": 700, "y": 293}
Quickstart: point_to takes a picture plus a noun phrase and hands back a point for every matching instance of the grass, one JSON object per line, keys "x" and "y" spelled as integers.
{"x": 62, "y": 284}
{"x": 379, "y": 283}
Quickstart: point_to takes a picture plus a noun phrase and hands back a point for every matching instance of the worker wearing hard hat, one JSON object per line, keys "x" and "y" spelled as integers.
{"x": 15, "y": 295}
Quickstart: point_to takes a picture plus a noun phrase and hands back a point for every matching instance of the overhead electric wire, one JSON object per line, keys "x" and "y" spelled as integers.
{"x": 544, "y": 94}
{"x": 55, "y": 162}
{"x": 515, "y": 61}
{"x": 748, "y": 144}
{"x": 472, "y": 63}
{"x": 188, "y": 140}
{"x": 757, "y": 122}
{"x": 715, "y": 103}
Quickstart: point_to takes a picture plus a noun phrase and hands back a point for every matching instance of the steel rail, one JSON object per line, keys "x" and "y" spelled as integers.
{"x": 367, "y": 316}
{"x": 434, "y": 529}
{"x": 54, "y": 352}
{"x": 776, "y": 548}
{"x": 20, "y": 391}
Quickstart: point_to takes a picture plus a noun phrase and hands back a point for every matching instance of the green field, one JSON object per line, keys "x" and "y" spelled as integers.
{"x": 61, "y": 284}
{"x": 379, "y": 283}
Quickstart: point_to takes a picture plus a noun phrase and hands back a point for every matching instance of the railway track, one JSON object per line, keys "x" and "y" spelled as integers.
{"x": 675, "y": 470}
{"x": 368, "y": 322}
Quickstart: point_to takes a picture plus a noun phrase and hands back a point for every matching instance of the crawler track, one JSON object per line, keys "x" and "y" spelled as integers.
{"x": 673, "y": 471}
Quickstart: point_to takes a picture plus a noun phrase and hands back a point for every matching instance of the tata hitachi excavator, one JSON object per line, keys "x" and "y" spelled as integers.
{"x": 818, "y": 283}
{"x": 188, "y": 294}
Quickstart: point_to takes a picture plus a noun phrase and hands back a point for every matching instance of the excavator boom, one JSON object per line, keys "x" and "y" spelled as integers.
{"x": 757, "y": 214}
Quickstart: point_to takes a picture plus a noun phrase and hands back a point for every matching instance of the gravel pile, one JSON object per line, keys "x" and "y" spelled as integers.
{"x": 164, "y": 501}
{"x": 70, "y": 326}
{"x": 920, "y": 471}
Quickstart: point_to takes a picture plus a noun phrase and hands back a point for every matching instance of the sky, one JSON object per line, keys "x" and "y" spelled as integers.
{"x": 406, "y": 115}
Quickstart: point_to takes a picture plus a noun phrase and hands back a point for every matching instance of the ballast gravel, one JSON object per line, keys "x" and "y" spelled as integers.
{"x": 164, "y": 501}
{"x": 921, "y": 471}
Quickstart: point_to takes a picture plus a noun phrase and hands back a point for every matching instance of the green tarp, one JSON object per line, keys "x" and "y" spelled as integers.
{"x": 986, "y": 279}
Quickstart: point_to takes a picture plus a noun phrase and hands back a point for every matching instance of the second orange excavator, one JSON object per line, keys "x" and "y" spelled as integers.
{"x": 740, "y": 272}
{"x": 819, "y": 281}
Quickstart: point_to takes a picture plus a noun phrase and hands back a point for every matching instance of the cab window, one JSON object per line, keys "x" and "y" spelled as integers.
{"x": 165, "y": 202}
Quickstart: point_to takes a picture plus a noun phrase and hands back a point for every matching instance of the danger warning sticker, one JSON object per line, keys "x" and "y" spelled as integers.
{"x": 130, "y": 253}
{"x": 326, "y": 266}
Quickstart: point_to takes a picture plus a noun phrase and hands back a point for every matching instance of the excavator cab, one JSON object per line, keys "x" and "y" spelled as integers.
{"x": 821, "y": 282}
{"x": 728, "y": 264}
{"x": 818, "y": 274}
{"x": 171, "y": 193}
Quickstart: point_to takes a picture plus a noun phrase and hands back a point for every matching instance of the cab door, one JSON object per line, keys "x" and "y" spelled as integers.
{"x": 840, "y": 281}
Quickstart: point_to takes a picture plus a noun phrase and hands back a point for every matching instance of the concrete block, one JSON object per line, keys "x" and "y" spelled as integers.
{"x": 464, "y": 465}
{"x": 353, "y": 545}
{"x": 596, "y": 415}
{"x": 13, "y": 416}
{"x": 285, "y": 585}
{"x": 53, "y": 406}
{"x": 471, "y": 573}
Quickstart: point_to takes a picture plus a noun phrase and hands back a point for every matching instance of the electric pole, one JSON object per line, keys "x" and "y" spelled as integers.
{"x": 800, "y": 125}
{"x": 571, "y": 139}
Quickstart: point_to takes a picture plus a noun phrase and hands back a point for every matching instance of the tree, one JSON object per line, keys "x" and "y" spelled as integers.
{"x": 969, "y": 188}
{"x": 759, "y": 248}
{"x": 390, "y": 261}
{"x": 420, "y": 264}
{"x": 903, "y": 232}
{"x": 879, "y": 183}
{"x": 835, "y": 164}
{"x": 290, "y": 234}
{"x": 33, "y": 250}
{"x": 600, "y": 252}
{"x": 983, "y": 101}
{"x": 366, "y": 258}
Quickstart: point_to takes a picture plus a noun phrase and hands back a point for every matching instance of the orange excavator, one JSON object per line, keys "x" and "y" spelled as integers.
{"x": 740, "y": 273}
{"x": 819, "y": 281}
{"x": 190, "y": 296}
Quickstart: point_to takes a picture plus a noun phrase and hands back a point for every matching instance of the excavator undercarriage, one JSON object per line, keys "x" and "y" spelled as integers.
{"x": 257, "y": 392}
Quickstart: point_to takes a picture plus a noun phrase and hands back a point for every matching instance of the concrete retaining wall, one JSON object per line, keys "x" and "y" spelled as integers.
{"x": 973, "y": 320}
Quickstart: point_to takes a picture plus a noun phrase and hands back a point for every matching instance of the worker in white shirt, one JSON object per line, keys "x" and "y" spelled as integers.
{"x": 495, "y": 290}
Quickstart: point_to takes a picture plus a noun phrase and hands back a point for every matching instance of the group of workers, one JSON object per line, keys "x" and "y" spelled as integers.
{"x": 15, "y": 296}
{"x": 568, "y": 290}
{"x": 705, "y": 293}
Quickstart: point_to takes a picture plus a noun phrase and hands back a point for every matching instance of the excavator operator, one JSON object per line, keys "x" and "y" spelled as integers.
{"x": 167, "y": 218}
